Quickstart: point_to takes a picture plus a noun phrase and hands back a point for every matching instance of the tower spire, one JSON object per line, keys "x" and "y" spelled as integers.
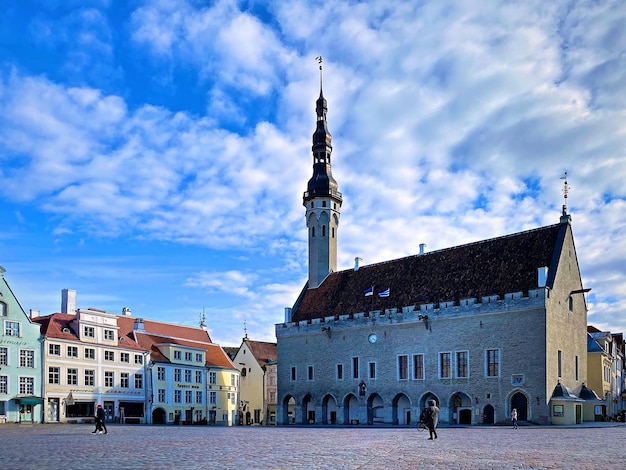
{"x": 322, "y": 199}
{"x": 565, "y": 190}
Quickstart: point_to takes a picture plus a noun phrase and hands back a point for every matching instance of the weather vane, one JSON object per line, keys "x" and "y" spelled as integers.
{"x": 319, "y": 61}
{"x": 565, "y": 190}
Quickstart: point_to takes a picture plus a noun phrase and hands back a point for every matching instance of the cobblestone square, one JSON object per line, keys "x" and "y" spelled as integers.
{"x": 68, "y": 447}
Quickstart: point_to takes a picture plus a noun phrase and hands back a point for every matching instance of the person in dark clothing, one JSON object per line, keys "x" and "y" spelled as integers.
{"x": 100, "y": 426}
{"x": 432, "y": 419}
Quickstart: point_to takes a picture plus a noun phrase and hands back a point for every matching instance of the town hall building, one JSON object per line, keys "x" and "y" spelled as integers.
{"x": 480, "y": 328}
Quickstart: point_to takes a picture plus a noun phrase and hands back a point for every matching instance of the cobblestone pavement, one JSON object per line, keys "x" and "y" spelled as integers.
{"x": 67, "y": 446}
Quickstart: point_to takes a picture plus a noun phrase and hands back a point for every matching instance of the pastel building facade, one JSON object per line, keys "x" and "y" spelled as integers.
{"x": 20, "y": 361}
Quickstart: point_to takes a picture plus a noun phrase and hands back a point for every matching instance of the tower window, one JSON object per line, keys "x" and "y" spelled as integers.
{"x": 323, "y": 230}
{"x": 323, "y": 203}
{"x": 333, "y": 232}
{"x": 312, "y": 204}
{"x": 312, "y": 232}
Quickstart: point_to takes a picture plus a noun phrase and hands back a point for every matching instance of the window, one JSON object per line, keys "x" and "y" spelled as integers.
{"x": 244, "y": 371}
{"x": 54, "y": 349}
{"x": 355, "y": 367}
{"x": 188, "y": 356}
{"x": 493, "y": 362}
{"x": 444, "y": 365}
{"x": 178, "y": 398}
{"x": 161, "y": 395}
{"x": 138, "y": 380}
{"x": 4, "y": 356}
{"x": 339, "y": 371}
{"x": 418, "y": 367}
{"x": 3, "y": 309}
{"x": 198, "y": 376}
{"x": 54, "y": 375}
{"x": 109, "y": 335}
{"x": 576, "y": 367}
{"x": 462, "y": 364}
{"x": 310, "y": 372}
{"x": 11, "y": 328}
{"x": 89, "y": 332}
{"x": 559, "y": 357}
{"x": 212, "y": 398}
{"x": 198, "y": 397}
{"x": 187, "y": 376}
{"x": 4, "y": 384}
{"x": 232, "y": 380}
{"x": 177, "y": 355}
{"x": 90, "y": 353}
{"x": 125, "y": 357}
{"x": 198, "y": 357}
{"x": 138, "y": 359}
{"x": 124, "y": 379}
{"x": 176, "y": 375}
{"x": 160, "y": 373}
{"x": 72, "y": 376}
{"x": 213, "y": 378}
{"x": 293, "y": 374}
{"x": 72, "y": 351}
{"x": 27, "y": 385}
{"x": 188, "y": 395}
{"x": 90, "y": 377}
{"x": 108, "y": 378}
{"x": 570, "y": 303}
{"x": 109, "y": 355}
{"x": 232, "y": 398}
{"x": 27, "y": 358}
{"x": 371, "y": 367}
{"x": 403, "y": 367}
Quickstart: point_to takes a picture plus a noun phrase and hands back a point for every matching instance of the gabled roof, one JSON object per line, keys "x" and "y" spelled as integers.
{"x": 496, "y": 266}
{"x": 561, "y": 392}
{"x": 167, "y": 330}
{"x": 214, "y": 354}
{"x": 58, "y": 326}
{"x": 592, "y": 345}
{"x": 262, "y": 351}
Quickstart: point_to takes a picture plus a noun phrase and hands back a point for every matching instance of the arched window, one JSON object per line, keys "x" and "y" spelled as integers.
{"x": 243, "y": 371}
{"x": 323, "y": 230}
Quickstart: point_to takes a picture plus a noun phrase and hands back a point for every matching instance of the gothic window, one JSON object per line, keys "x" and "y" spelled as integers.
{"x": 323, "y": 230}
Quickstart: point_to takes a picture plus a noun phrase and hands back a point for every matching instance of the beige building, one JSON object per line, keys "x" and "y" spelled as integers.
{"x": 257, "y": 362}
{"x": 88, "y": 361}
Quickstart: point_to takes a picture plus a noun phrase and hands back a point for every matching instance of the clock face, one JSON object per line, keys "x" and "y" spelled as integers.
{"x": 372, "y": 338}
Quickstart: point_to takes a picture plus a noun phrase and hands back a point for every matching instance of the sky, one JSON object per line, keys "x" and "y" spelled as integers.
{"x": 154, "y": 154}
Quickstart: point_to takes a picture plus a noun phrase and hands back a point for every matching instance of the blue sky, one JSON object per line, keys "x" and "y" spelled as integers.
{"x": 153, "y": 155}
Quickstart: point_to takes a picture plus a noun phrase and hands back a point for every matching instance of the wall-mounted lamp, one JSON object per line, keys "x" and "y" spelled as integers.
{"x": 327, "y": 330}
{"x": 424, "y": 318}
{"x": 538, "y": 400}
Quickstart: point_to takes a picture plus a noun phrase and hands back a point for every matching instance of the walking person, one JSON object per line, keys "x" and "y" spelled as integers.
{"x": 432, "y": 419}
{"x": 514, "y": 417}
{"x": 100, "y": 426}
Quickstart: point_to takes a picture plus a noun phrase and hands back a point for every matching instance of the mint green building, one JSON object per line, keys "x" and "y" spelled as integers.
{"x": 20, "y": 361}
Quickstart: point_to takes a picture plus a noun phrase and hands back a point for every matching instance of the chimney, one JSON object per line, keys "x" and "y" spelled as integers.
{"x": 34, "y": 313}
{"x": 126, "y": 312}
{"x": 287, "y": 314}
{"x": 139, "y": 326}
{"x": 356, "y": 263}
{"x": 68, "y": 301}
{"x": 422, "y": 247}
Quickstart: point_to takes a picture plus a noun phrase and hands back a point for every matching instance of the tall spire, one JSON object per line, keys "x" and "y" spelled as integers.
{"x": 565, "y": 217}
{"x": 322, "y": 199}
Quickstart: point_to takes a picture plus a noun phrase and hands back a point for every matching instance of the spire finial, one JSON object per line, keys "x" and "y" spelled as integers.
{"x": 202, "y": 318}
{"x": 319, "y": 61}
{"x": 245, "y": 330}
{"x": 565, "y": 190}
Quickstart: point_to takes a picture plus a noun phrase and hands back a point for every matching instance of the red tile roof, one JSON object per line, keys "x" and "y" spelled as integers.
{"x": 262, "y": 351}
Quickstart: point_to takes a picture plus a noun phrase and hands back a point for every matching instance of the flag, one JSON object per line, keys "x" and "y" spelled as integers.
{"x": 384, "y": 293}
{"x": 369, "y": 291}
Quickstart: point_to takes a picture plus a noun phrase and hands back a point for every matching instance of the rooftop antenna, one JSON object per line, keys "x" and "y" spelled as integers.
{"x": 202, "y": 319}
{"x": 565, "y": 190}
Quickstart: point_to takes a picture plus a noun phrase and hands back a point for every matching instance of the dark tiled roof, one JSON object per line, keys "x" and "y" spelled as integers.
{"x": 562, "y": 392}
{"x": 496, "y": 266}
{"x": 588, "y": 394}
{"x": 231, "y": 351}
